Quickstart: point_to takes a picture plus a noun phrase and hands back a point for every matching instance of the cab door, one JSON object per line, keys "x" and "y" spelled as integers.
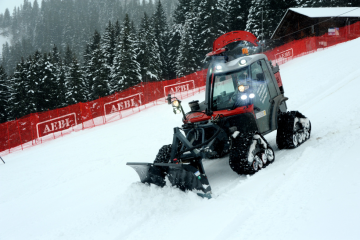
{"x": 262, "y": 105}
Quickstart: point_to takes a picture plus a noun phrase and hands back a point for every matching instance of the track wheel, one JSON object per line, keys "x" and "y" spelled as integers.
{"x": 270, "y": 156}
{"x": 257, "y": 163}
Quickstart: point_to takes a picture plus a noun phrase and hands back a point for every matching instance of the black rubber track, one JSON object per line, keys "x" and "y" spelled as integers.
{"x": 285, "y": 132}
{"x": 239, "y": 152}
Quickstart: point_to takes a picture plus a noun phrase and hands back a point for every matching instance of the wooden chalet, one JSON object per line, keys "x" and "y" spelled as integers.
{"x": 299, "y": 23}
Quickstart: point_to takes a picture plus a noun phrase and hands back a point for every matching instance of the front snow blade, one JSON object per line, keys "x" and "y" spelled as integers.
{"x": 148, "y": 173}
{"x": 183, "y": 176}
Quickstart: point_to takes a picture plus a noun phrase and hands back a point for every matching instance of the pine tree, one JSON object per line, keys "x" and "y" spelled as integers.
{"x": 108, "y": 45}
{"x": 117, "y": 31}
{"x": 61, "y": 87}
{"x": 48, "y": 84}
{"x": 129, "y": 72}
{"x": 7, "y": 19}
{"x": 60, "y": 78}
{"x": 115, "y": 77}
{"x": 162, "y": 36}
{"x": 4, "y": 95}
{"x": 259, "y": 19}
{"x": 209, "y": 26}
{"x": 6, "y": 55}
{"x": 149, "y": 54}
{"x": 33, "y": 75}
{"x": 18, "y": 102}
{"x": 183, "y": 7}
{"x": 86, "y": 72}
{"x": 96, "y": 84}
{"x": 75, "y": 84}
{"x": 234, "y": 14}
{"x": 188, "y": 53}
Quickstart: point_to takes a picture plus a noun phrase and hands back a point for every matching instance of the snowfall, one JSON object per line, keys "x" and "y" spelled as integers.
{"x": 79, "y": 187}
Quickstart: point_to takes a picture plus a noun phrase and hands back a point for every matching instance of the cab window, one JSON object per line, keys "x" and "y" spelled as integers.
{"x": 256, "y": 71}
{"x": 261, "y": 100}
{"x": 270, "y": 83}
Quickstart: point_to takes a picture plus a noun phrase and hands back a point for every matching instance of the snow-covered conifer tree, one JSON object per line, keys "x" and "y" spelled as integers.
{"x": 99, "y": 85}
{"x": 19, "y": 102}
{"x": 209, "y": 26}
{"x": 48, "y": 85}
{"x": 161, "y": 33}
{"x": 108, "y": 45}
{"x": 60, "y": 78}
{"x": 129, "y": 71}
{"x": 75, "y": 84}
{"x": 4, "y": 95}
{"x": 149, "y": 54}
{"x": 187, "y": 59}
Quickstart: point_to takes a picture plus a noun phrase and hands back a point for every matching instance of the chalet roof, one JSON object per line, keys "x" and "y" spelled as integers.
{"x": 328, "y": 12}
{"x": 323, "y": 13}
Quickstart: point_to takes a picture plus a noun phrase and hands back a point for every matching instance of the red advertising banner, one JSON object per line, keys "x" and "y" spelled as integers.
{"x": 123, "y": 104}
{"x": 288, "y": 53}
{"x": 56, "y": 124}
{"x": 173, "y": 89}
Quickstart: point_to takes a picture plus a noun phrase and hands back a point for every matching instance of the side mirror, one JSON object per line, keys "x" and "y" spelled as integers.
{"x": 169, "y": 99}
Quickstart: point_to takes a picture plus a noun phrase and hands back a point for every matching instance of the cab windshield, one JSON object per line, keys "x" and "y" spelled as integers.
{"x": 225, "y": 89}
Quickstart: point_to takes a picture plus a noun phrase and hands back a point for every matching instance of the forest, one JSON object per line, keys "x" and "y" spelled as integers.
{"x": 61, "y": 52}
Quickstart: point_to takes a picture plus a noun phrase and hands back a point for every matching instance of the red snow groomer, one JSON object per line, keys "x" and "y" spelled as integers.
{"x": 244, "y": 100}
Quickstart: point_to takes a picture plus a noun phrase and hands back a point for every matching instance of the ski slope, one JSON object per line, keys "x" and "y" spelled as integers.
{"x": 78, "y": 186}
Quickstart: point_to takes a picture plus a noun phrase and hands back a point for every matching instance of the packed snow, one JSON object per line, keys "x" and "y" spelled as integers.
{"x": 79, "y": 187}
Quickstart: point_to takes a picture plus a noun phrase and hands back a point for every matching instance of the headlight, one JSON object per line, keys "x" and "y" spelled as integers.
{"x": 251, "y": 95}
{"x": 243, "y": 97}
{"x": 242, "y": 62}
{"x": 175, "y": 103}
{"x": 242, "y": 88}
{"x": 218, "y": 67}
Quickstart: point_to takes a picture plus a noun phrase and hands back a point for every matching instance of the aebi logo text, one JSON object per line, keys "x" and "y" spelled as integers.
{"x": 56, "y": 125}
{"x": 289, "y": 53}
{"x": 122, "y": 104}
{"x": 179, "y": 87}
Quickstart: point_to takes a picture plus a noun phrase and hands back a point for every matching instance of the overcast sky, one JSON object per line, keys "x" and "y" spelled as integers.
{"x": 10, "y": 4}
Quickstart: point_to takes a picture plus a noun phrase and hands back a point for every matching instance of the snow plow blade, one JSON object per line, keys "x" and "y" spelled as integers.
{"x": 183, "y": 176}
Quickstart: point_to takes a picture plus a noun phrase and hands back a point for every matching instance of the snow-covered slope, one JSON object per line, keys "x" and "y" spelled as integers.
{"x": 78, "y": 187}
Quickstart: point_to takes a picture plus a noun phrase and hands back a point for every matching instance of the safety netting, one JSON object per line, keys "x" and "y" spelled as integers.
{"x": 38, "y": 128}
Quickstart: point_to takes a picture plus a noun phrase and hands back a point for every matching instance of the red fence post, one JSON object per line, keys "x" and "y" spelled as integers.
{"x": 7, "y": 125}
{"x": 102, "y": 109}
{"x": 57, "y": 110}
{"x": 31, "y": 126}
{"x": 17, "y": 123}
{"x": 82, "y": 120}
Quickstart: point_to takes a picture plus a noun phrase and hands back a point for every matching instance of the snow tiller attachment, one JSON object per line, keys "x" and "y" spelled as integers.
{"x": 244, "y": 100}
